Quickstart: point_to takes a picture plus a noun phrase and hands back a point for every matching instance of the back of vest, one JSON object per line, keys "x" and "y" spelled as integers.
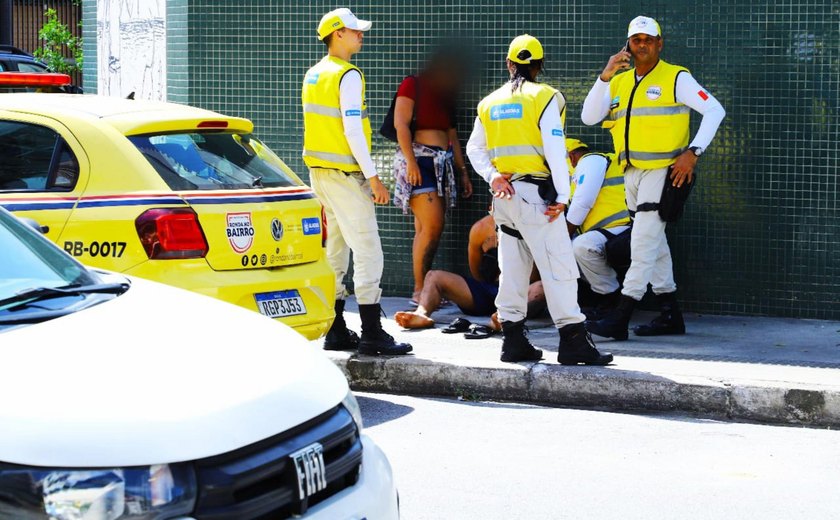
{"x": 511, "y": 122}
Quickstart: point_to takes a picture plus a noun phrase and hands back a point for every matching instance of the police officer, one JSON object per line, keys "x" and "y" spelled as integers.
{"x": 336, "y": 148}
{"x": 658, "y": 97}
{"x": 517, "y": 145}
{"x": 597, "y": 213}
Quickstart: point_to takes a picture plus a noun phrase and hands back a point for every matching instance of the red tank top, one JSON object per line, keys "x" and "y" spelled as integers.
{"x": 431, "y": 112}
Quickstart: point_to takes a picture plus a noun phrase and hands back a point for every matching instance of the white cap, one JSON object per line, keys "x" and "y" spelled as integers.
{"x": 338, "y": 19}
{"x": 643, "y": 25}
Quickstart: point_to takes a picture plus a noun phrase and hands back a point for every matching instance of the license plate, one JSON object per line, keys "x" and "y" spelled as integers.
{"x": 280, "y": 303}
{"x": 311, "y": 470}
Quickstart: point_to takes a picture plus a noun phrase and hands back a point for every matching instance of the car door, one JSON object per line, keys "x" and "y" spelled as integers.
{"x": 43, "y": 172}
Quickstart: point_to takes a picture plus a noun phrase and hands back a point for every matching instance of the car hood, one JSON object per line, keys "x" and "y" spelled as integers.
{"x": 155, "y": 375}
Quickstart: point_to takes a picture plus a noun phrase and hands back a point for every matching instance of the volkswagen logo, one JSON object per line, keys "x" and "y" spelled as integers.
{"x": 277, "y": 229}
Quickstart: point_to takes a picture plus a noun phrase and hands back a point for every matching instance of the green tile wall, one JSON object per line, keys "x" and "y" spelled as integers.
{"x": 761, "y": 232}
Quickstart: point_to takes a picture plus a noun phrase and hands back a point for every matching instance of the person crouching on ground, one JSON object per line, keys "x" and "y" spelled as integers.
{"x": 597, "y": 213}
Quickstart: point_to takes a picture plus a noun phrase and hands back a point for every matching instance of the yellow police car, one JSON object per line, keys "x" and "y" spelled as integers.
{"x": 171, "y": 193}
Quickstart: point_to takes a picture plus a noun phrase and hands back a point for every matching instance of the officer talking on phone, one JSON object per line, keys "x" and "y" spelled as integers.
{"x": 655, "y": 149}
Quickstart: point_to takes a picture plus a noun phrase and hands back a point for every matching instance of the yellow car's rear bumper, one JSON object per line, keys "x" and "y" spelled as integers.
{"x": 314, "y": 281}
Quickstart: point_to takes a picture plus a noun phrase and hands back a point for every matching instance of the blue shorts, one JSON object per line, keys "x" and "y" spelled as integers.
{"x": 428, "y": 177}
{"x": 483, "y": 295}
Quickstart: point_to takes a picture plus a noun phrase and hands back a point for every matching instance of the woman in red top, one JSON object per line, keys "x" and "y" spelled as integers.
{"x": 426, "y": 161}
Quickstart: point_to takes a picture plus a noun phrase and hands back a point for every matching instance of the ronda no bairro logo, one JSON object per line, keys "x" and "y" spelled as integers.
{"x": 240, "y": 231}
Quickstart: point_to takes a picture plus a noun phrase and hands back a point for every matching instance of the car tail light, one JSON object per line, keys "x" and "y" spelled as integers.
{"x": 213, "y": 124}
{"x": 171, "y": 233}
{"x": 39, "y": 79}
{"x": 323, "y": 227}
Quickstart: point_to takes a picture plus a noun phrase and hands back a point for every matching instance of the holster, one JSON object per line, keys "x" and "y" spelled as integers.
{"x": 672, "y": 201}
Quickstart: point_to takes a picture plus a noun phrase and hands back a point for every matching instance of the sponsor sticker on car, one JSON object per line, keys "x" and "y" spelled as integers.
{"x": 240, "y": 231}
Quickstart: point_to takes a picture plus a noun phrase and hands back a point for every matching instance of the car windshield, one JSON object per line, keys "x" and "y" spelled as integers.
{"x": 30, "y": 262}
{"x": 214, "y": 161}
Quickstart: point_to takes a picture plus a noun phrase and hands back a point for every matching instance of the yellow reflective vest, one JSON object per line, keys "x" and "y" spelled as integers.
{"x": 649, "y": 128}
{"x": 610, "y": 208}
{"x": 511, "y": 122}
{"x": 324, "y": 143}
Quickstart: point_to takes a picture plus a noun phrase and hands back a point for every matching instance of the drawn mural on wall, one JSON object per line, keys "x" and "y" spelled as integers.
{"x": 131, "y": 48}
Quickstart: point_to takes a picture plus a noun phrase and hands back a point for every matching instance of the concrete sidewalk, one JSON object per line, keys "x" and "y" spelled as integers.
{"x": 772, "y": 370}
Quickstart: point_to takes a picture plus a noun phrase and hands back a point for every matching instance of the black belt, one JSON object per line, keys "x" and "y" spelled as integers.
{"x": 510, "y": 231}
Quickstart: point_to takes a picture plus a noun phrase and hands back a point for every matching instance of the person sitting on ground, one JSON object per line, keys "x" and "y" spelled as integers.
{"x": 597, "y": 212}
{"x": 474, "y": 294}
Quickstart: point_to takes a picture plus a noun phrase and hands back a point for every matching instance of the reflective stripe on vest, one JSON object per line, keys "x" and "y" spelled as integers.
{"x": 610, "y": 208}
{"x": 511, "y": 123}
{"x": 314, "y": 108}
{"x": 658, "y": 132}
{"x": 324, "y": 143}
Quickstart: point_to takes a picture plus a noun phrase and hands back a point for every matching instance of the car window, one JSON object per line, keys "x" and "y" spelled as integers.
{"x": 2, "y": 67}
{"x": 214, "y": 161}
{"x": 31, "y": 261}
{"x": 24, "y": 66}
{"x": 35, "y": 158}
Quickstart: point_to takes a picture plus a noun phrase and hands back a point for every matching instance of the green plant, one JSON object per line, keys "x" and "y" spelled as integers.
{"x": 55, "y": 37}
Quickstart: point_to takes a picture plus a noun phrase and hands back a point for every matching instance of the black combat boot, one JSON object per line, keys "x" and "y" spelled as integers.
{"x": 374, "y": 340}
{"x": 339, "y": 337}
{"x": 614, "y": 325}
{"x": 515, "y": 346}
{"x": 604, "y": 304}
{"x": 670, "y": 321}
{"x": 576, "y": 346}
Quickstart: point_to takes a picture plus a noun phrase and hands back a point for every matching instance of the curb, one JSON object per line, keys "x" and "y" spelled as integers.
{"x": 596, "y": 388}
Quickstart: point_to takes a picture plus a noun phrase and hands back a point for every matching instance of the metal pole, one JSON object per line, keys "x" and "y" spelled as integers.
{"x": 6, "y": 32}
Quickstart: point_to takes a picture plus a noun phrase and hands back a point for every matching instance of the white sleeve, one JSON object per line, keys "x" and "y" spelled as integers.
{"x": 589, "y": 176}
{"x": 478, "y": 154}
{"x": 350, "y": 102}
{"x": 596, "y": 106}
{"x": 554, "y": 147}
{"x": 691, "y": 94}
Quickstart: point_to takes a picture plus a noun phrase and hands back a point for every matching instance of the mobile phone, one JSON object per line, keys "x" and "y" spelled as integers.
{"x": 627, "y": 46}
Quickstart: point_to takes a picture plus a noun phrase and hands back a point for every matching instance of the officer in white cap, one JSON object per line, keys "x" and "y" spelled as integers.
{"x": 517, "y": 145}
{"x": 658, "y": 97}
{"x": 336, "y": 148}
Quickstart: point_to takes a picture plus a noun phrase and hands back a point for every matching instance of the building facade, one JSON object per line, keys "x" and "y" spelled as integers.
{"x": 761, "y": 232}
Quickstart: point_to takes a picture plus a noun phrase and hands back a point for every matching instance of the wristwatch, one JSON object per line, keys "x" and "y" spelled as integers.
{"x": 696, "y": 150}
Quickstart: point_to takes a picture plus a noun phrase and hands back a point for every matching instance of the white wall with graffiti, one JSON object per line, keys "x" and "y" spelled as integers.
{"x": 131, "y": 48}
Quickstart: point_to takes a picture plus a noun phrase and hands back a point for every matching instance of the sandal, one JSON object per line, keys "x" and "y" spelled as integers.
{"x": 457, "y": 325}
{"x": 477, "y": 331}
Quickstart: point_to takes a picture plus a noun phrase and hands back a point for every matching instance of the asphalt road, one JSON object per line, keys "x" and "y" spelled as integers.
{"x": 468, "y": 460}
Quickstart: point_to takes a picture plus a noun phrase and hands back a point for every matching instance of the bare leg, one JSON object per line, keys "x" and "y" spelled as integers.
{"x": 428, "y": 226}
{"x": 438, "y": 284}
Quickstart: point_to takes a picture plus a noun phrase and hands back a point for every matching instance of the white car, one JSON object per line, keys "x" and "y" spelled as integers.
{"x": 127, "y": 399}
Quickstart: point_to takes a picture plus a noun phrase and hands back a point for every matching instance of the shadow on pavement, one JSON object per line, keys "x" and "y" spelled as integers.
{"x": 379, "y": 411}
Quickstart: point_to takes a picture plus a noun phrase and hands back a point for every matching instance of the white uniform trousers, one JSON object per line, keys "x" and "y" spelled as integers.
{"x": 547, "y": 245}
{"x": 351, "y": 225}
{"x": 590, "y": 250}
{"x": 649, "y": 252}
